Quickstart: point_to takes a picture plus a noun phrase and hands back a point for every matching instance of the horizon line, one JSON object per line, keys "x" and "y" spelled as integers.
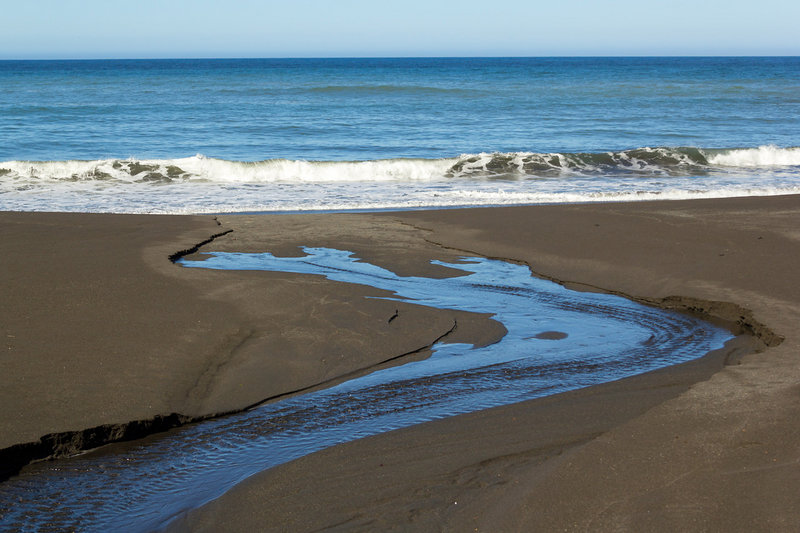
{"x": 310, "y": 57}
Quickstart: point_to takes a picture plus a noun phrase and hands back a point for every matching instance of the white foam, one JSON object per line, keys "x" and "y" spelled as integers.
{"x": 207, "y": 185}
{"x": 57, "y": 170}
{"x": 201, "y": 168}
{"x": 204, "y": 168}
{"x": 763, "y": 156}
{"x": 187, "y": 198}
{"x": 284, "y": 170}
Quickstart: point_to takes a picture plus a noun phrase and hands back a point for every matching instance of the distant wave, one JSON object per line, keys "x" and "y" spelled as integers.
{"x": 645, "y": 162}
{"x": 384, "y": 89}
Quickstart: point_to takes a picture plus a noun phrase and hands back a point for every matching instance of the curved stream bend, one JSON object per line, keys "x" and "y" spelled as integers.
{"x": 557, "y": 340}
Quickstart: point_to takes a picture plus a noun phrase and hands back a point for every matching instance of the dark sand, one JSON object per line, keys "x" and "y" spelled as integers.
{"x": 101, "y": 328}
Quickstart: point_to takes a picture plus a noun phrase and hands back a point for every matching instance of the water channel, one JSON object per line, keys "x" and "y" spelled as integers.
{"x": 557, "y": 340}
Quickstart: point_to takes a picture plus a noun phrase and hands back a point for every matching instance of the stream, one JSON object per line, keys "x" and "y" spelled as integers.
{"x": 557, "y": 340}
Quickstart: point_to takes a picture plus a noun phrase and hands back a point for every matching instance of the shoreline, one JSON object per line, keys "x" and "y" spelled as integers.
{"x": 627, "y": 259}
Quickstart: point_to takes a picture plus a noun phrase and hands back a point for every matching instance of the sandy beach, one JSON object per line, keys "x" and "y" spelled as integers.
{"x": 107, "y": 339}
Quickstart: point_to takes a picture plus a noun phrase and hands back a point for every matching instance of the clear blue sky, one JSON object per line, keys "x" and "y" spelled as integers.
{"x": 362, "y": 28}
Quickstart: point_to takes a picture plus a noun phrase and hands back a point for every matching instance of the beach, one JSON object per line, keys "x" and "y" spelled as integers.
{"x": 102, "y": 330}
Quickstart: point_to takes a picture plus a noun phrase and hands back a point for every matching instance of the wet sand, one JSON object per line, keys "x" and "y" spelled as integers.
{"x": 101, "y": 328}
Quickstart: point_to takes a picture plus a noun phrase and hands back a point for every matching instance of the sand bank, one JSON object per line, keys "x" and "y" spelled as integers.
{"x": 102, "y": 329}
{"x": 655, "y": 452}
{"x": 104, "y": 338}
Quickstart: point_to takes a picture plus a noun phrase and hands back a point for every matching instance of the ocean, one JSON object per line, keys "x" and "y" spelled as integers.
{"x": 274, "y": 135}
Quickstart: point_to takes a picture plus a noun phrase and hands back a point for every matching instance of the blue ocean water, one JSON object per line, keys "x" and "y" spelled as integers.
{"x": 298, "y": 134}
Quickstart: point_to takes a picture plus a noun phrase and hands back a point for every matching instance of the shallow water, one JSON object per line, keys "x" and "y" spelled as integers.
{"x": 557, "y": 340}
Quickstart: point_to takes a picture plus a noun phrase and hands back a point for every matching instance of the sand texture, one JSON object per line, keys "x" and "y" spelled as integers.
{"x": 651, "y": 453}
{"x": 106, "y": 339}
{"x": 101, "y": 329}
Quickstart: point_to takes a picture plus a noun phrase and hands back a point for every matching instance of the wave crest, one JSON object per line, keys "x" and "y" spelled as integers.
{"x": 644, "y": 162}
{"x": 763, "y": 156}
{"x": 640, "y": 160}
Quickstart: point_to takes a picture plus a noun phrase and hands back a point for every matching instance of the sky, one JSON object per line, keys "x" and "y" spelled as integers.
{"x": 99, "y": 29}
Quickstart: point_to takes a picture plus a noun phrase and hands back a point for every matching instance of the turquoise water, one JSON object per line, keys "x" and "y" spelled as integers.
{"x": 178, "y": 136}
{"x": 599, "y": 338}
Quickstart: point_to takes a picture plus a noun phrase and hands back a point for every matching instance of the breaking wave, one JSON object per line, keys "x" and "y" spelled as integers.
{"x": 645, "y": 162}
{"x": 763, "y": 156}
